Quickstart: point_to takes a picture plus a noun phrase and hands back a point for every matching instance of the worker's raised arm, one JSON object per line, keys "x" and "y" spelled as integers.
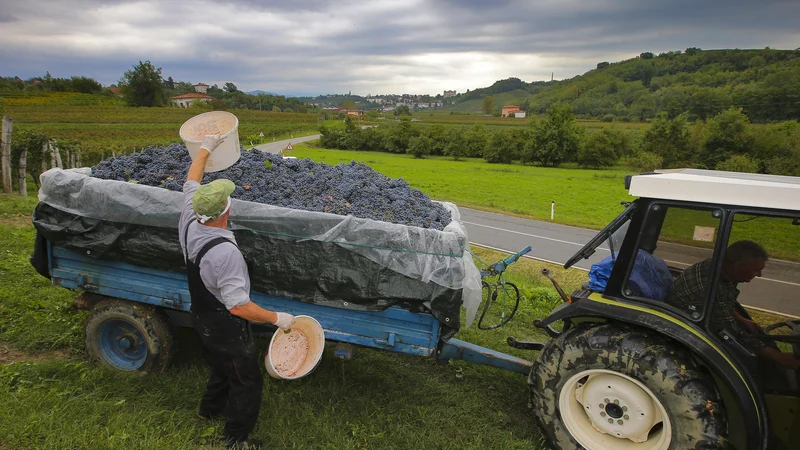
{"x": 210, "y": 142}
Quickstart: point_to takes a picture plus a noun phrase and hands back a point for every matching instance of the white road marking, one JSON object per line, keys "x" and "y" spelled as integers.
{"x": 532, "y": 235}
{"x": 526, "y": 256}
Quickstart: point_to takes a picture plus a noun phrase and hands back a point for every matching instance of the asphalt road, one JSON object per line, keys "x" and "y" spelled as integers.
{"x": 277, "y": 146}
{"x": 777, "y": 290}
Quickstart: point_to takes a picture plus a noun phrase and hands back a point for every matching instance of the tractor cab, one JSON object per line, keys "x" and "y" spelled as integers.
{"x": 680, "y": 264}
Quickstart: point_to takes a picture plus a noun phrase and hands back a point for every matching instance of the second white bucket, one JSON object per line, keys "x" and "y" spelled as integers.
{"x": 222, "y": 122}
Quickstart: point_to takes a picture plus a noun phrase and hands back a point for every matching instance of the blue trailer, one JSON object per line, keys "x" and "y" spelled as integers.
{"x": 135, "y": 310}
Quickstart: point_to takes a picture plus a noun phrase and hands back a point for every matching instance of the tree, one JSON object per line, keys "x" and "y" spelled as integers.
{"x": 476, "y": 140}
{"x": 419, "y": 146}
{"x": 402, "y": 110}
{"x": 398, "y": 136}
{"x": 86, "y": 85}
{"x": 230, "y": 88}
{"x": 500, "y": 148}
{"x": 555, "y": 139}
{"x": 670, "y": 139}
{"x": 169, "y": 83}
{"x": 728, "y": 135}
{"x": 455, "y": 147}
{"x": 143, "y": 86}
{"x": 603, "y": 148}
{"x": 348, "y": 104}
{"x": 488, "y": 106}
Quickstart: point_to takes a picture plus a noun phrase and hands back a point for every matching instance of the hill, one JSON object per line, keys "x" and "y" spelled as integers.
{"x": 259, "y": 92}
{"x": 764, "y": 83}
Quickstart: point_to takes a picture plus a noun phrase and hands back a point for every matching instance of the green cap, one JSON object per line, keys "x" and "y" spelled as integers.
{"x": 210, "y": 200}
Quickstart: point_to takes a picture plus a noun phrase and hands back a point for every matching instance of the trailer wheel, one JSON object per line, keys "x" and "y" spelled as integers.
{"x": 129, "y": 336}
{"x": 614, "y": 387}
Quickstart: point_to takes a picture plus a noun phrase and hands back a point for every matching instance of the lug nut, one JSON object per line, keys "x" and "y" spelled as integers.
{"x": 602, "y": 406}
{"x": 616, "y": 402}
{"x": 605, "y": 400}
{"x": 610, "y": 420}
{"x": 626, "y": 417}
{"x": 602, "y": 414}
{"x": 624, "y": 408}
{"x": 619, "y": 422}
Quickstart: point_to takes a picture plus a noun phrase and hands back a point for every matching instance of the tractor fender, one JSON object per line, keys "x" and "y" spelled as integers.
{"x": 726, "y": 368}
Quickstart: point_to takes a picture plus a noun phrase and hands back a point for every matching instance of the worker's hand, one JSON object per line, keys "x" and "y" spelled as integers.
{"x": 211, "y": 142}
{"x": 284, "y": 321}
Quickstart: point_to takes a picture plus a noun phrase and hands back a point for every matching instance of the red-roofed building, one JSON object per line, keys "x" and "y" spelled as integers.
{"x": 186, "y": 100}
{"x": 507, "y": 109}
{"x": 201, "y": 88}
{"x": 115, "y": 90}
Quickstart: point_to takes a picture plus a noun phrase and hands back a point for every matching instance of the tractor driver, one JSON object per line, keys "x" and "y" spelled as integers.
{"x": 221, "y": 309}
{"x": 744, "y": 260}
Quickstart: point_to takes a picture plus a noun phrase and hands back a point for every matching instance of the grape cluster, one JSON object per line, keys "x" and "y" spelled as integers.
{"x": 348, "y": 188}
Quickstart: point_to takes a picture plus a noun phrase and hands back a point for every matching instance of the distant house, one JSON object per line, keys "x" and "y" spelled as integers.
{"x": 354, "y": 112}
{"x": 115, "y": 90}
{"x": 518, "y": 114}
{"x": 201, "y": 88}
{"x": 186, "y": 100}
{"x": 507, "y": 109}
{"x": 448, "y": 94}
{"x": 387, "y": 109}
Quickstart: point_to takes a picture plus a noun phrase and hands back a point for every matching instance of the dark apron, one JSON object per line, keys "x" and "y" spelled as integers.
{"x": 220, "y": 331}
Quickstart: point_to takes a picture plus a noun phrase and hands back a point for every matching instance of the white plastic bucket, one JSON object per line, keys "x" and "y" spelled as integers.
{"x": 224, "y": 123}
{"x": 315, "y": 335}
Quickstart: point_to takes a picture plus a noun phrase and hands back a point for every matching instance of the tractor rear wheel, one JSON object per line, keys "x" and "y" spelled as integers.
{"x": 615, "y": 387}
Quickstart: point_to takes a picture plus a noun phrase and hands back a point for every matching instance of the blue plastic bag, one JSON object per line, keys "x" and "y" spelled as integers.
{"x": 650, "y": 277}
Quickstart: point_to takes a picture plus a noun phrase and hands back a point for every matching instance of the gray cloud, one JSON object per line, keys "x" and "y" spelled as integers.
{"x": 419, "y": 46}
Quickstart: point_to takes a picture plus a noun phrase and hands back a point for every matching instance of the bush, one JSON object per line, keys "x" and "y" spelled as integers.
{"x": 609, "y": 118}
{"x": 645, "y": 161}
{"x": 738, "y": 163}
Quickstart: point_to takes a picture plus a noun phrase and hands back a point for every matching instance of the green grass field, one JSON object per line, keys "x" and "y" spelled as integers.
{"x": 588, "y": 198}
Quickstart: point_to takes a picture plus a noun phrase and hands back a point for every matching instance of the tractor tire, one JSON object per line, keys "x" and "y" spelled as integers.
{"x": 129, "y": 336}
{"x": 611, "y": 386}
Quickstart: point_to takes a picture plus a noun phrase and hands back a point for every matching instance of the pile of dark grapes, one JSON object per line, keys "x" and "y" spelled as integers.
{"x": 348, "y": 188}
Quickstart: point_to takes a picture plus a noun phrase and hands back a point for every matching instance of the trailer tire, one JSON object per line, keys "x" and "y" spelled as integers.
{"x": 583, "y": 379}
{"x": 129, "y": 336}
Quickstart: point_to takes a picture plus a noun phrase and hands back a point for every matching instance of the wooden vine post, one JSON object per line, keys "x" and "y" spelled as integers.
{"x": 44, "y": 157}
{"x": 23, "y": 168}
{"x": 5, "y": 149}
{"x": 59, "y": 163}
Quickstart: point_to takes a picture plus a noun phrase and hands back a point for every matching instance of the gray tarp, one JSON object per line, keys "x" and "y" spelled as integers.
{"x": 426, "y": 255}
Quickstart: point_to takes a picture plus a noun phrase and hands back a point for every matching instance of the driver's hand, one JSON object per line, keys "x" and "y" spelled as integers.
{"x": 754, "y": 327}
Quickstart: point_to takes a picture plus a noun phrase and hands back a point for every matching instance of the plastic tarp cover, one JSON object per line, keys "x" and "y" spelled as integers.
{"x": 650, "y": 277}
{"x": 117, "y": 217}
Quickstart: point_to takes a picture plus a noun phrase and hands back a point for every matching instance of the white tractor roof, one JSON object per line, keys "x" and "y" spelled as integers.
{"x": 712, "y": 186}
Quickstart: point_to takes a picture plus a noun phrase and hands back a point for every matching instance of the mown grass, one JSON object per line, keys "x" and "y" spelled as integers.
{"x": 377, "y": 400}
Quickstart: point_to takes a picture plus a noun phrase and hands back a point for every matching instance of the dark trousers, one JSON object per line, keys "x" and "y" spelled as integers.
{"x": 234, "y": 388}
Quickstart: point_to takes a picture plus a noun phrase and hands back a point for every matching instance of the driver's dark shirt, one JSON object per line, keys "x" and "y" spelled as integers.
{"x": 689, "y": 293}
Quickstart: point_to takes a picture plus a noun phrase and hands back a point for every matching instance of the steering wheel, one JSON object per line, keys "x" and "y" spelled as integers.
{"x": 793, "y": 337}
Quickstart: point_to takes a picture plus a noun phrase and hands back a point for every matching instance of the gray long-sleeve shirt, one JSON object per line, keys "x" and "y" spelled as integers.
{"x": 223, "y": 269}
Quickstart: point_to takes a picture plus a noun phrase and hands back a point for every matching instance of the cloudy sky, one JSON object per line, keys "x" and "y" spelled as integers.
{"x": 299, "y": 47}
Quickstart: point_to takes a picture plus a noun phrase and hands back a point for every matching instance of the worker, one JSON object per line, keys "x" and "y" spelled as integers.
{"x": 219, "y": 284}
{"x": 744, "y": 260}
